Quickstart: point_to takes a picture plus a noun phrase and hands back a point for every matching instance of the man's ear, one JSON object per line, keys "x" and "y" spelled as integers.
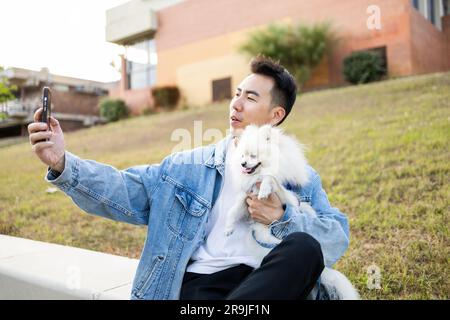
{"x": 278, "y": 114}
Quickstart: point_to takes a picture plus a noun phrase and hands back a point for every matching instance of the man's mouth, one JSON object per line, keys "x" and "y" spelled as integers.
{"x": 251, "y": 170}
{"x": 235, "y": 119}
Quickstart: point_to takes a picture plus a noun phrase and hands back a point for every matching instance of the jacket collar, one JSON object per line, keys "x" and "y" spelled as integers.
{"x": 218, "y": 154}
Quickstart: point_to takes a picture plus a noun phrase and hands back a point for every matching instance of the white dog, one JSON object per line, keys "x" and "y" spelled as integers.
{"x": 266, "y": 155}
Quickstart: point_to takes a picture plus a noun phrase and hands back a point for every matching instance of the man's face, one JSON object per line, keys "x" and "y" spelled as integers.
{"x": 251, "y": 103}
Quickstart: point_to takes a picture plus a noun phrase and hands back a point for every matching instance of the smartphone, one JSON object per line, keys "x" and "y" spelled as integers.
{"x": 46, "y": 107}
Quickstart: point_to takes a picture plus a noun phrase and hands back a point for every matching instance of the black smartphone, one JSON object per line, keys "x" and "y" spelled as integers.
{"x": 46, "y": 107}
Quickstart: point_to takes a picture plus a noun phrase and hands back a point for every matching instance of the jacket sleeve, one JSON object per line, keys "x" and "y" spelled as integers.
{"x": 100, "y": 189}
{"x": 329, "y": 227}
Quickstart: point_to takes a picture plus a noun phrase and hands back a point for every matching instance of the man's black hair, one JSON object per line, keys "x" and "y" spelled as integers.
{"x": 284, "y": 91}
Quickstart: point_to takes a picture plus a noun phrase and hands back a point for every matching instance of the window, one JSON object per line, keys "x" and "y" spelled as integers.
{"x": 381, "y": 51}
{"x": 221, "y": 89}
{"x": 431, "y": 13}
{"x": 415, "y": 4}
{"x": 141, "y": 64}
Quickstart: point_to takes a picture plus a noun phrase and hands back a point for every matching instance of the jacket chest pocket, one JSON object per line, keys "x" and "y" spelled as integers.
{"x": 186, "y": 214}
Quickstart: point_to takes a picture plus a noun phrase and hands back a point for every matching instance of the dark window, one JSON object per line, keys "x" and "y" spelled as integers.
{"x": 221, "y": 89}
{"x": 430, "y": 7}
{"x": 381, "y": 51}
{"x": 415, "y": 4}
{"x": 446, "y": 7}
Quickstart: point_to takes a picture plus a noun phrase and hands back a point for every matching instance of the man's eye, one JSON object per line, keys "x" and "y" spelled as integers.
{"x": 251, "y": 99}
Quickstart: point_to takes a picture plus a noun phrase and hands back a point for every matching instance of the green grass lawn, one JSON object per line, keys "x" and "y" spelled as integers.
{"x": 382, "y": 151}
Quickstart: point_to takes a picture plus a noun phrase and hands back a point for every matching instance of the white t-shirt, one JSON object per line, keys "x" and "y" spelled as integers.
{"x": 220, "y": 252}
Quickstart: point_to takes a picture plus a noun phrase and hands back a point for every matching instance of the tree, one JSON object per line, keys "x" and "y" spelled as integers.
{"x": 6, "y": 89}
{"x": 298, "y": 48}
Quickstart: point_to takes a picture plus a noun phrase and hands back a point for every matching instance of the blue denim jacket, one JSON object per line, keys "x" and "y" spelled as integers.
{"x": 174, "y": 199}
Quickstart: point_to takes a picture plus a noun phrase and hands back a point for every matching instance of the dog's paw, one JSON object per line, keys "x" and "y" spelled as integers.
{"x": 228, "y": 232}
{"x": 229, "y": 229}
{"x": 264, "y": 191}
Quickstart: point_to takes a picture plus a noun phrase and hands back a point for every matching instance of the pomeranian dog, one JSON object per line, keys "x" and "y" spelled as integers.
{"x": 267, "y": 156}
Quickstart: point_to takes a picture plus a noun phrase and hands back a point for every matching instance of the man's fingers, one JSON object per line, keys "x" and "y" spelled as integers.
{"x": 37, "y": 115}
{"x": 41, "y": 135}
{"x": 54, "y": 124}
{"x": 42, "y": 145}
{"x": 36, "y": 127}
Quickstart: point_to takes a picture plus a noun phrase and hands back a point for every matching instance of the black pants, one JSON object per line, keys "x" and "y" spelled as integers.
{"x": 288, "y": 272}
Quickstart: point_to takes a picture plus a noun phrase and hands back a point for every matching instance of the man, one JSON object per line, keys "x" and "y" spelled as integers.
{"x": 185, "y": 198}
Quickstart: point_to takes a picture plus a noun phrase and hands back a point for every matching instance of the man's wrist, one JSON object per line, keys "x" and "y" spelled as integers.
{"x": 59, "y": 166}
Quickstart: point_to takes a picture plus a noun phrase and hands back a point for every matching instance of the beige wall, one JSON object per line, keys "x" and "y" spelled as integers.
{"x": 192, "y": 67}
{"x": 194, "y": 80}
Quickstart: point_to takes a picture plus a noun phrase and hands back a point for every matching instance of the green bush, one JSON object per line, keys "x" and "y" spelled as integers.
{"x": 299, "y": 48}
{"x": 113, "y": 109}
{"x": 166, "y": 97}
{"x": 363, "y": 67}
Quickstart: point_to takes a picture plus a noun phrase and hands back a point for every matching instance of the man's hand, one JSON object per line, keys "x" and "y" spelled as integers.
{"x": 49, "y": 152}
{"x": 265, "y": 211}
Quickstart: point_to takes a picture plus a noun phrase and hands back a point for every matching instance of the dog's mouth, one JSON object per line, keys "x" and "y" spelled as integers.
{"x": 252, "y": 169}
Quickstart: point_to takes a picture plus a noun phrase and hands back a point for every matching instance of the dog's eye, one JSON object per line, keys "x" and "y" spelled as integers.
{"x": 252, "y": 156}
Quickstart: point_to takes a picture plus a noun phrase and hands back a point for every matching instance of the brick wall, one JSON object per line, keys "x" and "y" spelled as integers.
{"x": 137, "y": 100}
{"x": 74, "y": 102}
{"x": 197, "y": 20}
{"x": 198, "y": 33}
{"x": 428, "y": 45}
{"x": 446, "y": 30}
{"x": 65, "y": 102}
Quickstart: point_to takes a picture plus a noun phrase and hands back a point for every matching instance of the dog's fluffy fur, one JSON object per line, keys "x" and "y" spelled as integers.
{"x": 266, "y": 155}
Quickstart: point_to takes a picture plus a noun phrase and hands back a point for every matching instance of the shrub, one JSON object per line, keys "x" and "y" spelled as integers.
{"x": 363, "y": 67}
{"x": 298, "y": 48}
{"x": 113, "y": 109}
{"x": 166, "y": 97}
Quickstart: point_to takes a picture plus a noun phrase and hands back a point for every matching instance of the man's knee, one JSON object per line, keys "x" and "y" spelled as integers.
{"x": 304, "y": 245}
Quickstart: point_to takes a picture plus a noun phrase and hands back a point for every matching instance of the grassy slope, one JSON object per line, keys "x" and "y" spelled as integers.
{"x": 382, "y": 151}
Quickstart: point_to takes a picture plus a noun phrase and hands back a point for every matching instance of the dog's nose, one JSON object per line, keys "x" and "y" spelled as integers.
{"x": 244, "y": 164}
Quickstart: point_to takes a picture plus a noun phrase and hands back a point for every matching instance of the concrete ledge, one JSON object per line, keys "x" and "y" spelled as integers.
{"x": 37, "y": 270}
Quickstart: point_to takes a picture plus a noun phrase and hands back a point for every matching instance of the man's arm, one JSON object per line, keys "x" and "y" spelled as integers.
{"x": 100, "y": 189}
{"x": 329, "y": 227}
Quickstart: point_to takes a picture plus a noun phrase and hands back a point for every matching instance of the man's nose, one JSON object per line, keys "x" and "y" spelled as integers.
{"x": 237, "y": 105}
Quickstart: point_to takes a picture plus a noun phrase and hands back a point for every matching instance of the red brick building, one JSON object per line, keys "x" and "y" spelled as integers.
{"x": 193, "y": 43}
